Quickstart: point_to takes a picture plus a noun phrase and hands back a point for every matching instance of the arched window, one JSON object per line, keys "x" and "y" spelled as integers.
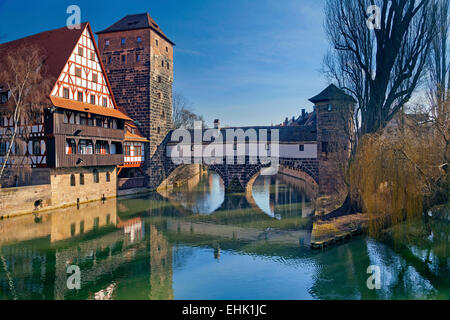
{"x": 96, "y": 176}
{"x": 72, "y": 180}
{"x": 82, "y": 178}
{"x": 108, "y": 177}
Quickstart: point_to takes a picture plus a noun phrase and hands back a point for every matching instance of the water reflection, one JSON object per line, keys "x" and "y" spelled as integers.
{"x": 154, "y": 247}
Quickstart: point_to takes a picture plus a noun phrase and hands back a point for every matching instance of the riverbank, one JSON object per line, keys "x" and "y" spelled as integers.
{"x": 326, "y": 233}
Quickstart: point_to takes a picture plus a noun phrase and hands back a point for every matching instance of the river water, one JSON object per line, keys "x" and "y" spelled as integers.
{"x": 196, "y": 242}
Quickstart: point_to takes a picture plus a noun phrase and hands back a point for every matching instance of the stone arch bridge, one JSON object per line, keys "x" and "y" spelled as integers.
{"x": 297, "y": 156}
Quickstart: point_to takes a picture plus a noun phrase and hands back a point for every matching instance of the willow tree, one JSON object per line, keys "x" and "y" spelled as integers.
{"x": 379, "y": 51}
{"x": 439, "y": 83}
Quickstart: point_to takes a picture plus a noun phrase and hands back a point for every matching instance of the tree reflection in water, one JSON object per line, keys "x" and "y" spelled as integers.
{"x": 156, "y": 247}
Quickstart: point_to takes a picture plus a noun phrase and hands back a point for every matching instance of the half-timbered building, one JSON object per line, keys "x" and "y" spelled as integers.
{"x": 77, "y": 143}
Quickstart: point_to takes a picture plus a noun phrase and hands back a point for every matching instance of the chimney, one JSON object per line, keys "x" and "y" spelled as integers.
{"x": 303, "y": 113}
{"x": 217, "y": 124}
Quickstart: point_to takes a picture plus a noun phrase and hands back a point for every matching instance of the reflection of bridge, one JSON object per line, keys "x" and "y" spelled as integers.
{"x": 315, "y": 148}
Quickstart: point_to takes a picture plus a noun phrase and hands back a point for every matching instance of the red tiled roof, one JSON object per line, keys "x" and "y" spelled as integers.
{"x": 86, "y": 107}
{"x": 56, "y": 44}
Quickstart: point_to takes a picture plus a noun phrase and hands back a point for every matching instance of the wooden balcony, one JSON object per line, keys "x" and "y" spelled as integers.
{"x": 88, "y": 131}
{"x": 88, "y": 160}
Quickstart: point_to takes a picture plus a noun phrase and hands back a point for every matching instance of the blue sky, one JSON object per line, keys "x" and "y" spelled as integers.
{"x": 246, "y": 62}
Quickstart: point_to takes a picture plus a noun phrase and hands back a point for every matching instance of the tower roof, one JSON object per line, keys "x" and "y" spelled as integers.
{"x": 332, "y": 93}
{"x": 134, "y": 22}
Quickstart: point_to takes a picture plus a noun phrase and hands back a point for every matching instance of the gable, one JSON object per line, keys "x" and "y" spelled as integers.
{"x": 83, "y": 74}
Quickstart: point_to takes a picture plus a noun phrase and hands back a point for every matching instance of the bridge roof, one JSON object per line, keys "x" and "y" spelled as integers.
{"x": 289, "y": 134}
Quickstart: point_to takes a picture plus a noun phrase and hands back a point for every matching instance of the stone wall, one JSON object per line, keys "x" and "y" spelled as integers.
{"x": 65, "y": 194}
{"x": 22, "y": 199}
{"x": 333, "y": 129}
{"x": 143, "y": 88}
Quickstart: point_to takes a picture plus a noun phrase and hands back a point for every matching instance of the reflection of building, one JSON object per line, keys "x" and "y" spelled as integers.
{"x": 123, "y": 260}
{"x": 160, "y": 266}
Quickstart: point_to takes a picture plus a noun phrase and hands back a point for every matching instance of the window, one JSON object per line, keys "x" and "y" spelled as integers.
{"x": 159, "y": 79}
{"x": 80, "y": 51}
{"x": 167, "y": 49}
{"x": 105, "y": 102}
{"x": 92, "y": 56}
{"x": 99, "y": 122}
{"x": 80, "y": 96}
{"x": 70, "y": 146}
{"x": 108, "y": 177}
{"x": 66, "y": 93}
{"x": 138, "y": 57}
{"x": 162, "y": 63}
{"x": 92, "y": 99}
{"x": 159, "y": 95}
{"x": 36, "y": 147}
{"x": 90, "y": 121}
{"x": 82, "y": 178}
{"x": 137, "y": 150}
{"x": 3, "y": 97}
{"x": 96, "y": 176}
{"x": 83, "y": 119}
{"x": 85, "y": 147}
{"x": 123, "y": 41}
{"x": 96, "y": 223}
{"x": 156, "y": 42}
{"x": 139, "y": 39}
{"x": 302, "y": 147}
{"x": 168, "y": 66}
{"x": 325, "y": 147}
{"x": 72, "y": 229}
{"x": 106, "y": 43}
{"x": 82, "y": 227}
{"x": 101, "y": 147}
{"x": 159, "y": 130}
{"x": 72, "y": 180}
{"x": 127, "y": 150}
{"x": 109, "y": 60}
{"x": 2, "y": 121}
{"x": 329, "y": 107}
{"x": 78, "y": 72}
{"x": 124, "y": 58}
{"x": 3, "y": 148}
{"x": 95, "y": 77}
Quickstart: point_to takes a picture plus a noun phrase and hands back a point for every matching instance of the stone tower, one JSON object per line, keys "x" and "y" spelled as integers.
{"x": 335, "y": 132}
{"x": 138, "y": 58}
